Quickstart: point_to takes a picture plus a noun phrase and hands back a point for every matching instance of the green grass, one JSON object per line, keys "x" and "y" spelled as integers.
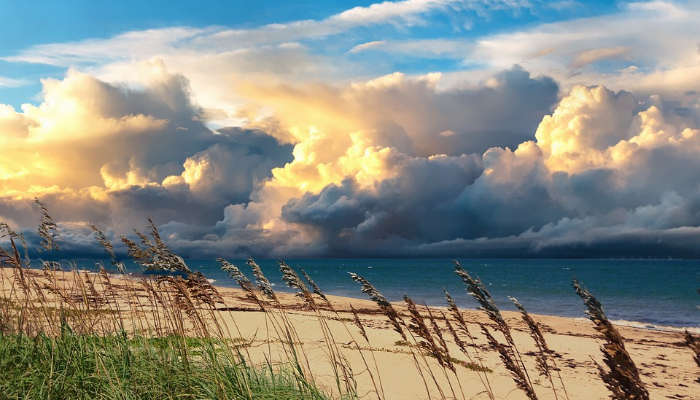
{"x": 73, "y": 366}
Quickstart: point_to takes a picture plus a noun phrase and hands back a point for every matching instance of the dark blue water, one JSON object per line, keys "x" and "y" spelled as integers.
{"x": 658, "y": 292}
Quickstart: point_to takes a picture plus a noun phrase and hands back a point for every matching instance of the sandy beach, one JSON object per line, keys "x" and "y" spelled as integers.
{"x": 666, "y": 365}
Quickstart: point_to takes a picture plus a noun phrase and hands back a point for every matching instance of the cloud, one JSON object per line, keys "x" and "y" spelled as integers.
{"x": 659, "y": 38}
{"x": 11, "y": 82}
{"x": 368, "y": 169}
{"x": 421, "y": 48}
{"x": 161, "y": 42}
{"x": 528, "y": 201}
{"x": 406, "y": 11}
{"x": 367, "y": 45}
{"x": 97, "y": 152}
{"x": 409, "y": 113}
{"x": 141, "y": 44}
{"x": 594, "y": 55}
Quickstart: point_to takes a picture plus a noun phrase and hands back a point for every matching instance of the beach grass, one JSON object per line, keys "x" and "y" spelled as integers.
{"x": 89, "y": 366}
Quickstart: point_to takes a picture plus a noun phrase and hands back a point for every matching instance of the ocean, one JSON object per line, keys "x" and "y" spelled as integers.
{"x": 650, "y": 293}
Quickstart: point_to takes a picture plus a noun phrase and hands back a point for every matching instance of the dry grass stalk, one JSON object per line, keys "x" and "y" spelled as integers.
{"x": 292, "y": 279}
{"x": 242, "y": 281}
{"x": 437, "y": 333}
{"x": 358, "y": 323}
{"x": 457, "y": 315}
{"x": 622, "y": 377}
{"x": 51, "y": 266}
{"x": 544, "y": 356}
{"x": 202, "y": 290}
{"x": 261, "y": 281}
{"x": 477, "y": 289}
{"x": 165, "y": 258}
{"x": 154, "y": 255}
{"x": 418, "y": 326}
{"x": 48, "y": 230}
{"x": 315, "y": 287}
{"x": 396, "y": 322}
{"x": 184, "y": 301}
{"x": 507, "y": 356}
{"x": 378, "y": 389}
{"x": 141, "y": 256}
{"x": 480, "y": 368}
{"x": 93, "y": 297}
{"x": 11, "y": 257}
{"x": 104, "y": 242}
{"x": 440, "y": 339}
{"x": 107, "y": 246}
{"x": 338, "y": 362}
{"x": 455, "y": 336}
{"x": 382, "y": 302}
{"x": 509, "y": 353}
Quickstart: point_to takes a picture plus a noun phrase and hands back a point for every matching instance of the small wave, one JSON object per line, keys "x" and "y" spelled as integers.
{"x": 654, "y": 327}
{"x": 211, "y": 280}
{"x": 649, "y": 326}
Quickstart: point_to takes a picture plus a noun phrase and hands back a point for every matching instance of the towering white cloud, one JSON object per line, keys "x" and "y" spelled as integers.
{"x": 108, "y": 154}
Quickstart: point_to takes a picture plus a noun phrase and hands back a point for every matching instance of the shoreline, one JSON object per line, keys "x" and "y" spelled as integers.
{"x": 632, "y": 324}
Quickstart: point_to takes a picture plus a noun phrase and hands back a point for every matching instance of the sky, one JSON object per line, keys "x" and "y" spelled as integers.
{"x": 470, "y": 128}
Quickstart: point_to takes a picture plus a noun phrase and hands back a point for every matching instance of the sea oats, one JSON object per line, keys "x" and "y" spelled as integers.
{"x": 292, "y": 279}
{"x": 507, "y": 356}
{"x": 314, "y": 286}
{"x": 374, "y": 294}
{"x": 154, "y": 255}
{"x": 622, "y": 377}
{"x": 261, "y": 281}
{"x": 358, "y": 323}
{"x": 241, "y": 279}
{"x": 48, "y": 230}
{"x": 105, "y": 243}
{"x": 544, "y": 356}
{"x": 509, "y": 353}
{"x": 419, "y": 328}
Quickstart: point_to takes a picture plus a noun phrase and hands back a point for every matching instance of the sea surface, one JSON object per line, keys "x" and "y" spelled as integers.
{"x": 650, "y": 293}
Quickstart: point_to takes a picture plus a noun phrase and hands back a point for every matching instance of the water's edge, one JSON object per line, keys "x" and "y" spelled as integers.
{"x": 649, "y": 294}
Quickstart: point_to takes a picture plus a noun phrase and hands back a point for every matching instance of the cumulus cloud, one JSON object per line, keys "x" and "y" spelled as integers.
{"x": 607, "y": 173}
{"x": 97, "y": 152}
{"x": 409, "y": 113}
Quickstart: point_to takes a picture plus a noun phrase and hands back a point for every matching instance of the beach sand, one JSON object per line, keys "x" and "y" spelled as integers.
{"x": 666, "y": 365}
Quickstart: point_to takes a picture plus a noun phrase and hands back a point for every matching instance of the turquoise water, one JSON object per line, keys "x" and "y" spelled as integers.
{"x": 658, "y": 292}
